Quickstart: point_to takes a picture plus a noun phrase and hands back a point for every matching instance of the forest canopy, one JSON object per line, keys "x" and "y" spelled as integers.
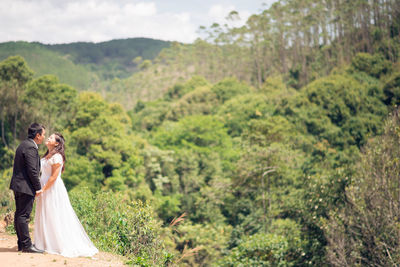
{"x": 272, "y": 144}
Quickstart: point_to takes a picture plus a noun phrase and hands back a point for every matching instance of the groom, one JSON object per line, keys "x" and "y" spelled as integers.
{"x": 26, "y": 184}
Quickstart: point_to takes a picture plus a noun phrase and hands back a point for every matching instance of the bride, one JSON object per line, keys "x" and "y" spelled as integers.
{"x": 57, "y": 228}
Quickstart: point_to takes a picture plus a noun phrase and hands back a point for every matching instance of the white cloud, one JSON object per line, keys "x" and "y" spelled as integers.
{"x": 101, "y": 20}
{"x": 141, "y": 9}
{"x": 218, "y": 13}
{"x": 65, "y": 21}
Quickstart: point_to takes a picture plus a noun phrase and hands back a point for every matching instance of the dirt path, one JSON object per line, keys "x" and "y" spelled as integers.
{"x": 9, "y": 256}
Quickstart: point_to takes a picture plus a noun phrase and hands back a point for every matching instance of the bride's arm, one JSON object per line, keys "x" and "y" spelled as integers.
{"x": 55, "y": 170}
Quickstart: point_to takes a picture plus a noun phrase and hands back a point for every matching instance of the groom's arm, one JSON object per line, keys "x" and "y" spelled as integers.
{"x": 32, "y": 167}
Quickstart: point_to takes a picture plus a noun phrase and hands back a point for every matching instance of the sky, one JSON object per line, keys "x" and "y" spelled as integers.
{"x": 66, "y": 21}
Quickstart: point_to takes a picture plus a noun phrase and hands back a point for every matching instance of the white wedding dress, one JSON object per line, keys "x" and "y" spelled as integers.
{"x": 57, "y": 228}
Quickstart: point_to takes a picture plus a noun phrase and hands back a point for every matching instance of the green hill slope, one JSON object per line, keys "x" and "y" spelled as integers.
{"x": 85, "y": 65}
{"x": 112, "y": 58}
{"x": 44, "y": 61}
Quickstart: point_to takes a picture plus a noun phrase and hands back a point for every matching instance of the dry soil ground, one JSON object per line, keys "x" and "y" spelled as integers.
{"x": 10, "y": 257}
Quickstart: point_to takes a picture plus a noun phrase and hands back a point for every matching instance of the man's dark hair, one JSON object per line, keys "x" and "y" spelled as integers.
{"x": 35, "y": 129}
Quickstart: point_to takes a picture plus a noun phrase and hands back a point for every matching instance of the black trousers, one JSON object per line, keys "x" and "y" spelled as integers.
{"x": 24, "y": 205}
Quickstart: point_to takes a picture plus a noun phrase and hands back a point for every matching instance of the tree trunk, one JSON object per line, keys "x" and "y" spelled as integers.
{"x": 339, "y": 33}
{"x": 3, "y": 137}
{"x": 365, "y": 22}
{"x": 283, "y": 55}
{"x": 15, "y": 129}
{"x": 377, "y": 14}
{"x": 257, "y": 62}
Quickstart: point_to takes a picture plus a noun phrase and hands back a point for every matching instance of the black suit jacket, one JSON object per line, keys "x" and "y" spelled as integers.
{"x": 26, "y": 169}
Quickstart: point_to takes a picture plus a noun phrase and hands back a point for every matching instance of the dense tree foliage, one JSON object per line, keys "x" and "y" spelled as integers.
{"x": 300, "y": 40}
{"x": 264, "y": 145}
{"x": 44, "y": 61}
{"x": 115, "y": 58}
{"x": 86, "y": 65}
{"x": 365, "y": 231}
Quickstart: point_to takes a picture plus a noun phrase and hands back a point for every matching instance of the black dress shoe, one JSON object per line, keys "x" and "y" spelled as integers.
{"x": 32, "y": 249}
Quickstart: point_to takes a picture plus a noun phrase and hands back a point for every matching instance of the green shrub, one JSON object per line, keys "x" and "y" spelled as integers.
{"x": 228, "y": 88}
{"x": 259, "y": 250}
{"x": 392, "y": 90}
{"x": 238, "y": 111}
{"x": 6, "y": 156}
{"x": 348, "y": 105}
{"x": 198, "y": 131}
{"x": 375, "y": 65}
{"x": 178, "y": 90}
{"x": 6, "y": 195}
{"x": 117, "y": 225}
{"x": 201, "y": 101}
{"x": 206, "y": 240}
{"x": 149, "y": 115}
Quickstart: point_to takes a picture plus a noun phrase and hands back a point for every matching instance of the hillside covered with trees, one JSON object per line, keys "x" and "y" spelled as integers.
{"x": 273, "y": 144}
{"x": 299, "y": 40}
{"x": 86, "y": 66}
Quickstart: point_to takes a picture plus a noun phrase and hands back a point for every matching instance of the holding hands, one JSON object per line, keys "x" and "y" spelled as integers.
{"x": 38, "y": 193}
